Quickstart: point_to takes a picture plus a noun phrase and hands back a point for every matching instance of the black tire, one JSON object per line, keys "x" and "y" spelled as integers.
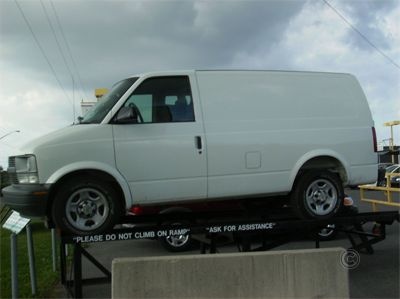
{"x": 317, "y": 195}
{"x": 86, "y": 205}
{"x": 179, "y": 243}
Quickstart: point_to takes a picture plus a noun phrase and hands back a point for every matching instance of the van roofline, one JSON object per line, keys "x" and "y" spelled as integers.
{"x": 278, "y": 71}
{"x": 182, "y": 72}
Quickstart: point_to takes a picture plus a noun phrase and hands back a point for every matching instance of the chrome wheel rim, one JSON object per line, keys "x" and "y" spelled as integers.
{"x": 178, "y": 240}
{"x": 87, "y": 209}
{"x": 321, "y": 197}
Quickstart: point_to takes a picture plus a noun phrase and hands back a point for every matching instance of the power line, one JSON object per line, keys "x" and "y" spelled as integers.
{"x": 68, "y": 47}
{"x": 42, "y": 50}
{"x": 55, "y": 37}
{"x": 361, "y": 34}
{"x": 58, "y": 43}
{"x": 62, "y": 55}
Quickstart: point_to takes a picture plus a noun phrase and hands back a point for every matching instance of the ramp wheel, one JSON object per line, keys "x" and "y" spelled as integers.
{"x": 178, "y": 243}
{"x": 327, "y": 233}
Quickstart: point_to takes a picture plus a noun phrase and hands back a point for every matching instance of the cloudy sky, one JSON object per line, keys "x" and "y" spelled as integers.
{"x": 102, "y": 42}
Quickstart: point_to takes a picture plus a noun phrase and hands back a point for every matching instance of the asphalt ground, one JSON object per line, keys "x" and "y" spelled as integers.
{"x": 376, "y": 276}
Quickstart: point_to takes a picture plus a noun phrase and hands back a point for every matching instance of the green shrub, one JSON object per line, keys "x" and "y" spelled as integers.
{"x": 46, "y": 278}
{"x": 4, "y": 179}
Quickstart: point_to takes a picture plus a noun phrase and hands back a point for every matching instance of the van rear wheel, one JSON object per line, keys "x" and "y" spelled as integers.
{"x": 317, "y": 194}
{"x": 86, "y": 205}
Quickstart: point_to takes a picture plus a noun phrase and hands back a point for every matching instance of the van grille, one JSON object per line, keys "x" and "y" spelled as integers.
{"x": 11, "y": 162}
{"x": 12, "y": 173}
{"x": 13, "y": 178}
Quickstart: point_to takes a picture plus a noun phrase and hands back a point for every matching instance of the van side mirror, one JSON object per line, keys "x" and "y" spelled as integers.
{"x": 126, "y": 115}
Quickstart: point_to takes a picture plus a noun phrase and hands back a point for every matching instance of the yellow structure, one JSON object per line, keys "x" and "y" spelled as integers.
{"x": 391, "y": 194}
{"x": 99, "y": 92}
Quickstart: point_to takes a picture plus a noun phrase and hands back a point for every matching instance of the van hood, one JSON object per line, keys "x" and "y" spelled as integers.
{"x": 68, "y": 135}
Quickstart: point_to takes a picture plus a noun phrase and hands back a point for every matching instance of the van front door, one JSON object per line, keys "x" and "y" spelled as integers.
{"x": 162, "y": 152}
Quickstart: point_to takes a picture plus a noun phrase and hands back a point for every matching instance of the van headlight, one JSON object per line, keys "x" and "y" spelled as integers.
{"x": 26, "y": 169}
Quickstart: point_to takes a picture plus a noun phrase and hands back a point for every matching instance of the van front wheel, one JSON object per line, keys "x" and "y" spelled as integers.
{"x": 318, "y": 195}
{"x": 86, "y": 205}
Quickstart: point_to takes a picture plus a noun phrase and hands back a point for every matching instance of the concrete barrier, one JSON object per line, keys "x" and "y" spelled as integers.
{"x": 312, "y": 273}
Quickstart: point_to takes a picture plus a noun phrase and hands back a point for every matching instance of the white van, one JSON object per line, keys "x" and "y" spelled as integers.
{"x": 185, "y": 136}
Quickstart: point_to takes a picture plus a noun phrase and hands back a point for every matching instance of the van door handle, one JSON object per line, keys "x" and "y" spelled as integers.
{"x": 199, "y": 144}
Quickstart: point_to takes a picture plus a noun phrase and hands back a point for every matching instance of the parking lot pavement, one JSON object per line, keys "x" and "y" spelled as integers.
{"x": 377, "y": 275}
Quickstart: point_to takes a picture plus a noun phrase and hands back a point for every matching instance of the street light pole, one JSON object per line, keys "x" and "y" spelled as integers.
{"x": 9, "y": 133}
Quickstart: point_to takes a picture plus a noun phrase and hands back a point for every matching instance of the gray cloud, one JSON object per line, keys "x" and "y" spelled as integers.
{"x": 364, "y": 15}
{"x": 110, "y": 40}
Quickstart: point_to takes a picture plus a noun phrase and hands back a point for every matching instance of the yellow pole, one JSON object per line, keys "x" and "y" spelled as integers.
{"x": 391, "y": 142}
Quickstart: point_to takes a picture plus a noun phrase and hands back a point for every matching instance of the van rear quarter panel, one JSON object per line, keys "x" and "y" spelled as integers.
{"x": 259, "y": 126}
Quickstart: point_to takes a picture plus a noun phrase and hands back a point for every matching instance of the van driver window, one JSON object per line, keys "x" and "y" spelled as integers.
{"x": 163, "y": 99}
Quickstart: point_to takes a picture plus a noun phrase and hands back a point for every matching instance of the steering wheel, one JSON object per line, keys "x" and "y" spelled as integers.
{"x": 137, "y": 111}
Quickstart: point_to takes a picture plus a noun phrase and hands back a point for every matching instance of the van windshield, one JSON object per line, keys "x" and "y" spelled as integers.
{"x": 105, "y": 104}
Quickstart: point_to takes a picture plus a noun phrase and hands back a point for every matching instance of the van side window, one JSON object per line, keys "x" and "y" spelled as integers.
{"x": 163, "y": 99}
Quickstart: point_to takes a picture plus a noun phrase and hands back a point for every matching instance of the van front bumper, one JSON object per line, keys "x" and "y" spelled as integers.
{"x": 28, "y": 200}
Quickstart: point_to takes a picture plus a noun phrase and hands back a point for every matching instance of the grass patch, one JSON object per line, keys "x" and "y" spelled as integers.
{"x": 46, "y": 278}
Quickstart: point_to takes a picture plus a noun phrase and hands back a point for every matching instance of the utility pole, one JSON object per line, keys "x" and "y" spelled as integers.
{"x": 73, "y": 98}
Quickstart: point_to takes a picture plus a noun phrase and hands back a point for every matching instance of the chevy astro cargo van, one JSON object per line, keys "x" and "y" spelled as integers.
{"x": 173, "y": 137}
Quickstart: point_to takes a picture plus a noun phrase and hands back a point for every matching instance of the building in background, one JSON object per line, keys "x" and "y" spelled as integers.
{"x": 390, "y": 153}
{"x": 87, "y": 105}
